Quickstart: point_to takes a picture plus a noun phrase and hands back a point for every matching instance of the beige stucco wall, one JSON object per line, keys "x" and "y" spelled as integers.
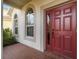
{"x": 38, "y": 42}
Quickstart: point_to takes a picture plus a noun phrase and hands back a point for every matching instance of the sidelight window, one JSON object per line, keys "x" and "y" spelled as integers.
{"x": 15, "y": 24}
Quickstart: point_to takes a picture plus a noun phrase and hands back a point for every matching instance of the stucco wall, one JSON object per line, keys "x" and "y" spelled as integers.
{"x": 38, "y": 42}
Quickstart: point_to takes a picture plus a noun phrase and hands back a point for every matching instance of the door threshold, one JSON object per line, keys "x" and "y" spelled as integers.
{"x": 56, "y": 56}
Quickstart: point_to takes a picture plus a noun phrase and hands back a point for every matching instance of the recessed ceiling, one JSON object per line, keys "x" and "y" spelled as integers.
{"x": 16, "y": 3}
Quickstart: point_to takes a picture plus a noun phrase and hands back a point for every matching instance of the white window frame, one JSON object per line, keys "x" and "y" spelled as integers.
{"x": 15, "y": 26}
{"x": 27, "y": 25}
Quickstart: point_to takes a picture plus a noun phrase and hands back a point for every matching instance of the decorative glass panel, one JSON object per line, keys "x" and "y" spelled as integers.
{"x": 15, "y": 24}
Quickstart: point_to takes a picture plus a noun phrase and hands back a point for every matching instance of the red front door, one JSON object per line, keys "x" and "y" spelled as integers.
{"x": 61, "y": 30}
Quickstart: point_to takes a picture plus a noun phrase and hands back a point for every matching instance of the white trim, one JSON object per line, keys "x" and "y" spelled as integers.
{"x": 29, "y": 37}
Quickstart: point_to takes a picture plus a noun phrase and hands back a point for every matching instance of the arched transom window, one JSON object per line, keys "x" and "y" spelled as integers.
{"x": 29, "y": 22}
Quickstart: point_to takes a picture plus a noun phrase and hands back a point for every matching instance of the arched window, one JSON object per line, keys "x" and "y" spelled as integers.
{"x": 29, "y": 22}
{"x": 15, "y": 24}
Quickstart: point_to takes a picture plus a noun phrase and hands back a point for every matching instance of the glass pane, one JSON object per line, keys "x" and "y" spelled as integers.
{"x": 15, "y": 16}
{"x": 15, "y": 21}
{"x": 16, "y": 30}
{"x": 30, "y": 11}
{"x": 30, "y": 31}
{"x": 30, "y": 19}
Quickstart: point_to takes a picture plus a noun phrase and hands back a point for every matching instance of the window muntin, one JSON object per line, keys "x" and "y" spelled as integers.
{"x": 30, "y": 23}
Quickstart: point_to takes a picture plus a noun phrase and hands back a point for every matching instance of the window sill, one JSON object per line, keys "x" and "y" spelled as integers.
{"x": 28, "y": 37}
{"x": 16, "y": 35}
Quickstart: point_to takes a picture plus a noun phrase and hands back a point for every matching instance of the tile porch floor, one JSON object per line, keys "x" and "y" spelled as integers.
{"x": 20, "y": 51}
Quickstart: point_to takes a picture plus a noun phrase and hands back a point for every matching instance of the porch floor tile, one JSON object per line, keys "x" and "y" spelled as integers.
{"x": 20, "y": 51}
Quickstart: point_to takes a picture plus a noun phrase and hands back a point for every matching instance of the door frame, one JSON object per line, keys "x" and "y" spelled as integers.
{"x": 45, "y": 10}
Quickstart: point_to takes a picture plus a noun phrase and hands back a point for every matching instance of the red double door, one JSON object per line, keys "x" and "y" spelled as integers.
{"x": 61, "y": 30}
